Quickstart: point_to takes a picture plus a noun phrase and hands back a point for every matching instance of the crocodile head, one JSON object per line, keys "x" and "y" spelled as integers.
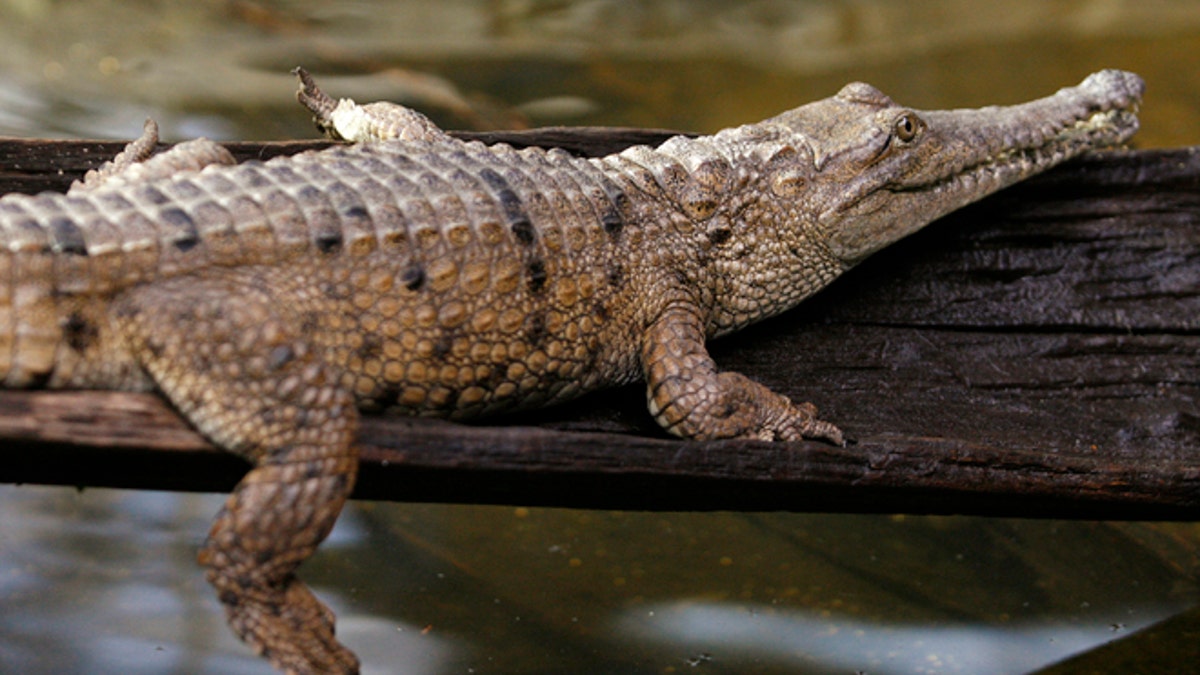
{"x": 873, "y": 171}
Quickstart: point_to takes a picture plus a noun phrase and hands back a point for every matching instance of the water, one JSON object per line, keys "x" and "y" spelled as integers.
{"x": 104, "y": 581}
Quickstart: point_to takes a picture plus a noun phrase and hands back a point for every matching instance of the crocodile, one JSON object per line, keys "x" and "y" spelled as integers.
{"x": 407, "y": 272}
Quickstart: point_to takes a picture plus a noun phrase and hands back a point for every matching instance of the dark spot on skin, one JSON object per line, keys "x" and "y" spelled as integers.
{"x": 264, "y": 557}
{"x": 79, "y": 333}
{"x": 329, "y": 241}
{"x": 188, "y": 236}
{"x": 537, "y": 329}
{"x": 185, "y": 243}
{"x": 68, "y": 238}
{"x": 355, "y": 213}
{"x": 313, "y": 470}
{"x": 514, "y": 211}
{"x": 600, "y": 310}
{"x": 524, "y": 232}
{"x": 413, "y": 277}
{"x": 681, "y": 278}
{"x": 613, "y": 222}
{"x": 720, "y": 236}
{"x": 620, "y": 199}
{"x": 309, "y": 322}
{"x": 395, "y": 239}
{"x": 442, "y": 347}
{"x": 333, "y": 291}
{"x": 615, "y": 274}
{"x": 496, "y": 377}
{"x": 280, "y": 356}
{"x": 371, "y": 347}
{"x": 613, "y": 212}
{"x": 494, "y": 180}
{"x": 537, "y": 275}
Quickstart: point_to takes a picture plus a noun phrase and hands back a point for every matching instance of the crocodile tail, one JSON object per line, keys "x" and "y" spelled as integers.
{"x": 61, "y": 258}
{"x": 29, "y": 330}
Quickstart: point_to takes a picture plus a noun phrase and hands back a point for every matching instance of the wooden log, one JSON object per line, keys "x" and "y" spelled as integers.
{"x": 1032, "y": 355}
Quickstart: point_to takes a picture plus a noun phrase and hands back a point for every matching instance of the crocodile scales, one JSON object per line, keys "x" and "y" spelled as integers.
{"x": 414, "y": 273}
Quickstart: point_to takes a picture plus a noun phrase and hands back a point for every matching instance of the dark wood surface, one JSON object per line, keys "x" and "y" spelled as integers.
{"x": 1034, "y": 355}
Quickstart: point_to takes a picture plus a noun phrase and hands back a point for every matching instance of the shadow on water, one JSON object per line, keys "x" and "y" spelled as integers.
{"x": 104, "y": 581}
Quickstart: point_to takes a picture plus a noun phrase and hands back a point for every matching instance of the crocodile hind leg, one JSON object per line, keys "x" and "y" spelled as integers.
{"x": 138, "y": 163}
{"x": 219, "y": 348}
{"x": 348, "y": 121}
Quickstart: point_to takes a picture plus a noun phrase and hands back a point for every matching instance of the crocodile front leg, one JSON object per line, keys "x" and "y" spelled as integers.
{"x": 218, "y": 347}
{"x": 691, "y": 399}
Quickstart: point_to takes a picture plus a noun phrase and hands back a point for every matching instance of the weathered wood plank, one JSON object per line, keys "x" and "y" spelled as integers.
{"x": 1035, "y": 354}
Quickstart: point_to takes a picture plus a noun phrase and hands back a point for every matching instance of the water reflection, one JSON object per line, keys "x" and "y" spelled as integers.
{"x": 220, "y": 69}
{"x": 105, "y": 581}
{"x": 645, "y": 592}
{"x": 750, "y": 636}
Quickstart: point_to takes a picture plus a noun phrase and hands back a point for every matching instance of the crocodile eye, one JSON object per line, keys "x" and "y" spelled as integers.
{"x": 907, "y": 126}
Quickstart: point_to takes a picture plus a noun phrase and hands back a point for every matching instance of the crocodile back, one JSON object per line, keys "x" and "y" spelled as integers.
{"x": 474, "y": 230}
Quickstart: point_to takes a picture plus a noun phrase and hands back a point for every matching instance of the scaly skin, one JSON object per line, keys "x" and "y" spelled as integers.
{"x": 421, "y": 275}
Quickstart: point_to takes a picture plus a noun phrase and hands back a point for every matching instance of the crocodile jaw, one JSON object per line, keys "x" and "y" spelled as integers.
{"x": 1102, "y": 129}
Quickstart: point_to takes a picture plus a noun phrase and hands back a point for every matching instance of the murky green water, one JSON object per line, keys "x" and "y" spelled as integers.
{"x": 105, "y": 581}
